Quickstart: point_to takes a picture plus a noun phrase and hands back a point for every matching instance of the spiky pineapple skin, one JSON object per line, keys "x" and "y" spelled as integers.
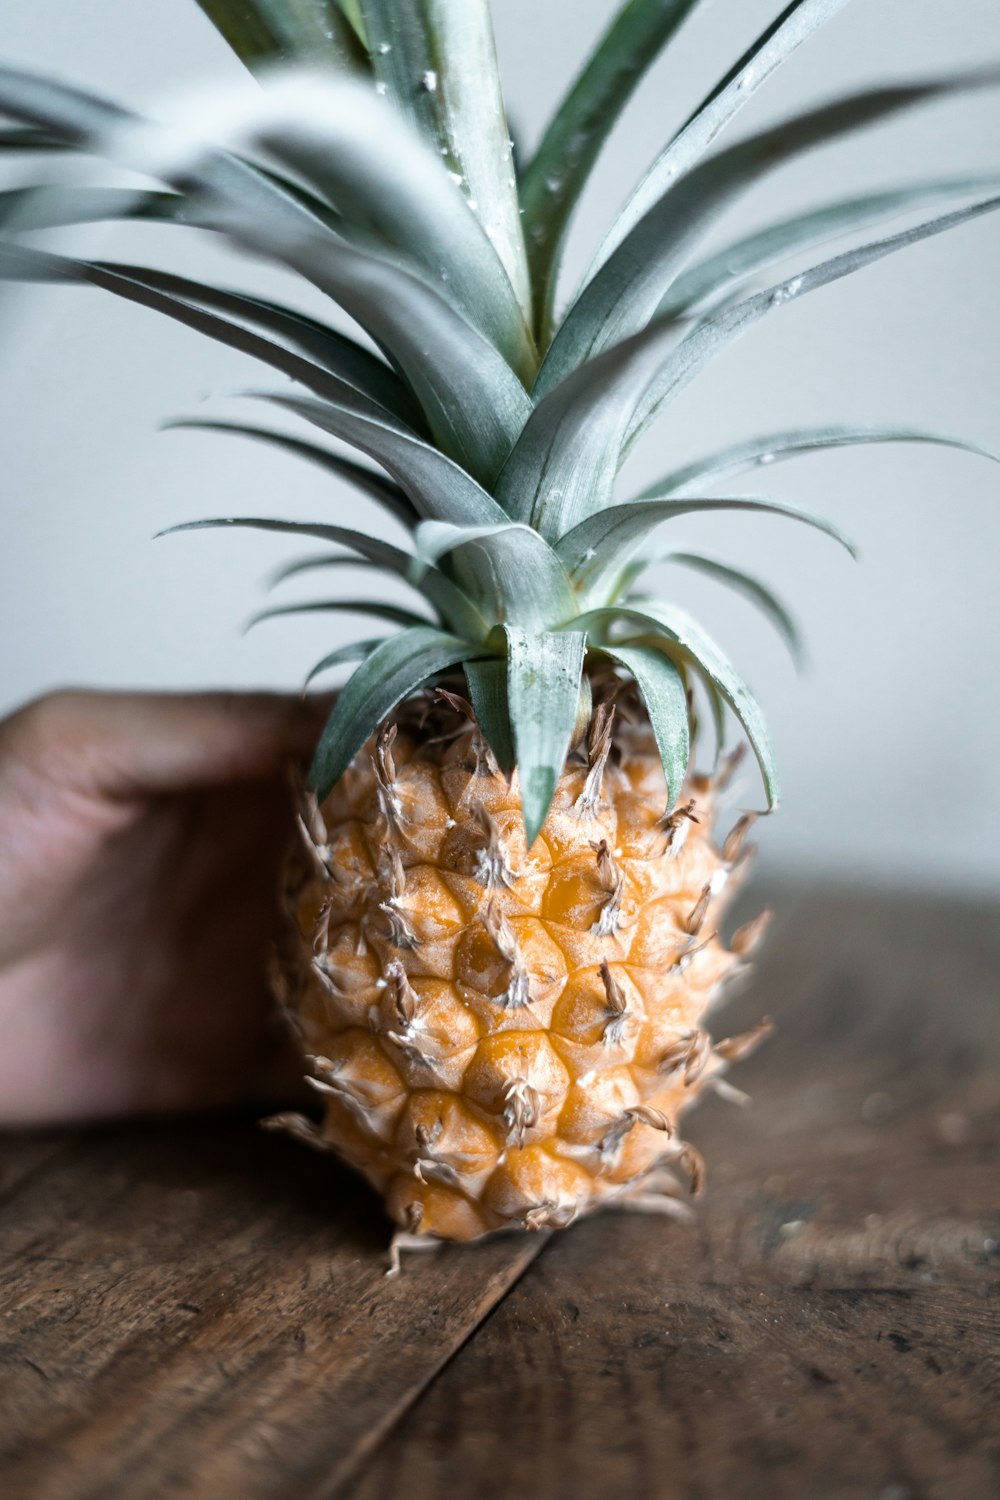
{"x": 505, "y": 1037}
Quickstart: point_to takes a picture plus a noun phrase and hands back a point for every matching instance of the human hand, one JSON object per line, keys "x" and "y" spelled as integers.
{"x": 141, "y": 843}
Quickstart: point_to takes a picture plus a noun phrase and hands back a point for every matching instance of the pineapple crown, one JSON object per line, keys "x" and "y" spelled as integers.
{"x": 384, "y": 176}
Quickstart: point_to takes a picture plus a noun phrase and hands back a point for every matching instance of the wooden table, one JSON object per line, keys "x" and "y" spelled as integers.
{"x": 200, "y": 1310}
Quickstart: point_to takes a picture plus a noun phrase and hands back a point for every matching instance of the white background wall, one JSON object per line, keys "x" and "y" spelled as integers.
{"x": 889, "y": 746}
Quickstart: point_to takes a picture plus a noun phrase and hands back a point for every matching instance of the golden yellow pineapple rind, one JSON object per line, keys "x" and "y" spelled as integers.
{"x": 501, "y": 1036}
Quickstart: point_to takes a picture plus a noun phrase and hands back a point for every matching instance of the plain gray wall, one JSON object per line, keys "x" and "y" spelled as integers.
{"x": 889, "y": 746}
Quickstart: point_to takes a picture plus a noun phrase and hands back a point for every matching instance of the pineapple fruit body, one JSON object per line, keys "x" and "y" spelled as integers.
{"x": 508, "y": 926}
{"x": 503, "y": 1036}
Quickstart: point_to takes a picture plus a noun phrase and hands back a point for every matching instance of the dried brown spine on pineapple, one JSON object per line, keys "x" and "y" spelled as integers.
{"x": 618, "y": 1013}
{"x": 613, "y": 881}
{"x": 517, "y": 995}
{"x": 405, "y": 1004}
{"x": 485, "y": 762}
{"x": 690, "y": 1051}
{"x": 695, "y": 919}
{"x": 492, "y": 868}
{"x": 736, "y": 1048}
{"x": 301, "y": 1127}
{"x": 736, "y": 839}
{"x": 675, "y": 826}
{"x": 747, "y": 939}
{"x": 392, "y": 887}
{"x": 599, "y": 740}
{"x": 522, "y": 1109}
{"x": 610, "y": 1144}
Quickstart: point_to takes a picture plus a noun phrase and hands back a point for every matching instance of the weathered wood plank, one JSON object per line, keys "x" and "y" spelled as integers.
{"x": 21, "y": 1156}
{"x": 829, "y": 1324}
{"x": 202, "y": 1311}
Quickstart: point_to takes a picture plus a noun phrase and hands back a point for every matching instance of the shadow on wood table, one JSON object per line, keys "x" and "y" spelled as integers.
{"x": 200, "y": 1310}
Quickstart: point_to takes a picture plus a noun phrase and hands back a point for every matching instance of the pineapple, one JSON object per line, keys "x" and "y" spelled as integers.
{"x": 504, "y": 938}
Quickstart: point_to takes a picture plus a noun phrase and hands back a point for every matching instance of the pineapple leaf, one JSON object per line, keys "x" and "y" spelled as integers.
{"x": 352, "y": 10}
{"x": 778, "y": 447}
{"x": 396, "y": 668}
{"x": 357, "y": 376}
{"x": 352, "y": 651}
{"x": 364, "y": 371}
{"x": 563, "y": 467}
{"x": 42, "y": 206}
{"x": 62, "y": 113}
{"x": 512, "y": 566}
{"x": 474, "y": 402}
{"x": 543, "y": 694}
{"x": 717, "y": 708}
{"x": 38, "y": 208}
{"x": 439, "y": 488}
{"x": 357, "y": 153}
{"x": 312, "y": 564}
{"x": 742, "y": 583}
{"x": 436, "y": 60}
{"x": 717, "y": 332}
{"x": 686, "y": 636}
{"x": 755, "y": 252}
{"x": 26, "y": 138}
{"x": 381, "y": 489}
{"x": 460, "y": 612}
{"x": 625, "y": 293}
{"x": 487, "y": 681}
{"x": 265, "y": 32}
{"x": 379, "y": 609}
{"x": 664, "y": 693}
{"x": 565, "y": 461}
{"x": 595, "y": 551}
{"x": 788, "y": 31}
{"x": 558, "y": 171}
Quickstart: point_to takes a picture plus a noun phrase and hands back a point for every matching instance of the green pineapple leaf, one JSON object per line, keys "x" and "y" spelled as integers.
{"x": 624, "y": 294}
{"x": 355, "y": 152}
{"x": 595, "y": 551}
{"x": 352, "y": 651}
{"x": 664, "y": 693}
{"x": 512, "y": 566}
{"x": 685, "y": 636}
{"x": 381, "y": 489}
{"x": 319, "y": 562}
{"x": 710, "y": 338}
{"x": 563, "y": 467}
{"x": 27, "y": 138}
{"x": 487, "y": 680}
{"x": 348, "y": 371}
{"x": 775, "y": 45}
{"x": 474, "y": 402}
{"x": 742, "y": 583}
{"x": 457, "y": 609}
{"x": 436, "y": 60}
{"x": 265, "y": 32}
{"x": 778, "y": 447}
{"x": 378, "y": 609}
{"x": 543, "y": 692}
{"x": 558, "y": 172}
{"x": 396, "y": 668}
{"x": 721, "y": 272}
{"x": 438, "y": 487}
{"x": 36, "y": 207}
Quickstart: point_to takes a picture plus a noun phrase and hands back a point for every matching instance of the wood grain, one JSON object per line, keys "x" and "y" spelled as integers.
{"x": 23, "y": 1155}
{"x": 829, "y": 1325}
{"x": 203, "y": 1311}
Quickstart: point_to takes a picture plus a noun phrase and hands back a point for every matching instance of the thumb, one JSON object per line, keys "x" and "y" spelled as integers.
{"x": 121, "y": 745}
